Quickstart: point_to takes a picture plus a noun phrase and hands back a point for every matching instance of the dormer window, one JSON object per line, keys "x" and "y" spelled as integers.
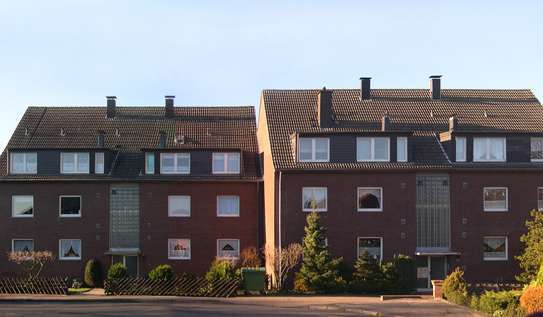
{"x": 373, "y": 149}
{"x": 74, "y": 163}
{"x": 536, "y": 149}
{"x": 226, "y": 163}
{"x": 23, "y": 163}
{"x": 460, "y": 143}
{"x": 174, "y": 163}
{"x": 314, "y": 149}
{"x": 401, "y": 149}
{"x": 489, "y": 150}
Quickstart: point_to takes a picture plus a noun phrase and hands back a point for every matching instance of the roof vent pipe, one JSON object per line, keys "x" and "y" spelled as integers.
{"x": 111, "y": 106}
{"x": 435, "y": 87}
{"x": 365, "y": 88}
{"x": 169, "y": 106}
{"x": 453, "y": 123}
{"x": 385, "y": 123}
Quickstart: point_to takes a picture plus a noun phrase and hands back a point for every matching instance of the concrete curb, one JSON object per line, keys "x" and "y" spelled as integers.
{"x": 107, "y": 299}
{"x": 335, "y": 308}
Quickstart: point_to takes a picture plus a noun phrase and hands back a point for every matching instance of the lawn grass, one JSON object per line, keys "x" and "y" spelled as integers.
{"x": 76, "y": 291}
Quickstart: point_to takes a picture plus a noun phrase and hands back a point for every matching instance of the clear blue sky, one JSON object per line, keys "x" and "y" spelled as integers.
{"x": 226, "y": 52}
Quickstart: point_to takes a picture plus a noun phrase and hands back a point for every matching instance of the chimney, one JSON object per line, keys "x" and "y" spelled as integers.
{"x": 169, "y": 107}
{"x": 385, "y": 122}
{"x": 111, "y": 106}
{"x": 324, "y": 108}
{"x": 435, "y": 86}
{"x": 365, "y": 88}
{"x": 453, "y": 123}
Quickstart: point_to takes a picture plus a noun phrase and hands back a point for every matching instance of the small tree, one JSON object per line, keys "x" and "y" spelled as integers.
{"x": 161, "y": 273}
{"x": 221, "y": 269}
{"x": 249, "y": 258}
{"x": 93, "y": 273}
{"x": 319, "y": 271}
{"x": 117, "y": 271}
{"x": 32, "y": 262}
{"x": 455, "y": 288}
{"x": 532, "y": 255}
{"x": 367, "y": 275}
{"x": 284, "y": 261}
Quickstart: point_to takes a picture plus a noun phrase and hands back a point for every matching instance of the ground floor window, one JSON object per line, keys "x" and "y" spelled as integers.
{"x": 372, "y": 245}
{"x": 179, "y": 249}
{"x": 228, "y": 248}
{"x": 69, "y": 249}
{"x": 495, "y": 248}
{"x": 22, "y": 245}
{"x": 540, "y": 198}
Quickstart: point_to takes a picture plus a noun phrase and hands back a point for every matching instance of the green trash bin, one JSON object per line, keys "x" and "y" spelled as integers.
{"x": 254, "y": 278}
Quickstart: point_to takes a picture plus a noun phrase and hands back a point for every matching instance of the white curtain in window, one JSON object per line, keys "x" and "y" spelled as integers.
{"x": 70, "y": 249}
{"x": 228, "y": 205}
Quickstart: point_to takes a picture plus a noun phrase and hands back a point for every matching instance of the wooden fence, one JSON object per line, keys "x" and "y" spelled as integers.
{"x": 479, "y": 288}
{"x": 42, "y": 285}
{"x": 178, "y": 286}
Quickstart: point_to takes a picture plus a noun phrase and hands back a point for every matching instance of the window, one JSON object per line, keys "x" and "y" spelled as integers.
{"x": 315, "y": 198}
{"x": 228, "y": 206}
{"x": 70, "y": 206}
{"x": 489, "y": 149}
{"x": 370, "y": 199}
{"x": 540, "y": 198}
{"x": 23, "y": 163}
{"x": 460, "y": 149}
{"x": 22, "y": 245}
{"x": 179, "y": 249}
{"x": 373, "y": 149}
{"x": 536, "y": 149}
{"x": 226, "y": 163}
{"x": 495, "y": 248}
{"x": 228, "y": 248}
{"x": 175, "y": 163}
{"x": 69, "y": 249}
{"x": 149, "y": 163}
{"x": 22, "y": 206}
{"x": 495, "y": 198}
{"x": 178, "y": 206}
{"x": 401, "y": 149}
{"x": 99, "y": 163}
{"x": 374, "y": 247}
{"x": 74, "y": 163}
{"x": 313, "y": 149}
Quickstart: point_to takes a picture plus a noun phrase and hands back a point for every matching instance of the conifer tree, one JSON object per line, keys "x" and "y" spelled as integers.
{"x": 532, "y": 256}
{"x": 367, "y": 276}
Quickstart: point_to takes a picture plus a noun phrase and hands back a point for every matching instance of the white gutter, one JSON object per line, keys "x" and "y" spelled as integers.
{"x": 279, "y": 230}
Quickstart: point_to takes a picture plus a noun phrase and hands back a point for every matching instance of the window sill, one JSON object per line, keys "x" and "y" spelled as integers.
{"x": 226, "y": 173}
{"x": 316, "y": 210}
{"x": 228, "y": 216}
{"x": 177, "y": 259}
{"x": 30, "y": 216}
{"x": 69, "y": 259}
{"x": 178, "y": 216}
{"x": 495, "y": 259}
{"x": 70, "y": 216}
{"x": 495, "y": 210}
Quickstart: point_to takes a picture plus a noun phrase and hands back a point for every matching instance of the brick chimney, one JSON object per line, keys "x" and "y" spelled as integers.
{"x": 324, "y": 107}
{"x": 169, "y": 106}
{"x": 435, "y": 86}
{"x": 385, "y": 123}
{"x": 453, "y": 123}
{"x": 111, "y": 102}
{"x": 365, "y": 88}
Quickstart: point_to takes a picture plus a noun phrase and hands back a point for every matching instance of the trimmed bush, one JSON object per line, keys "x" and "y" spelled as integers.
{"x": 117, "y": 271}
{"x": 532, "y": 299}
{"x": 492, "y": 302}
{"x": 93, "y": 273}
{"x": 367, "y": 275}
{"x": 161, "y": 273}
{"x": 404, "y": 274}
{"x": 220, "y": 269}
{"x": 455, "y": 288}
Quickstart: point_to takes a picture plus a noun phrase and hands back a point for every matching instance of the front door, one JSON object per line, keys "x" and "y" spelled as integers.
{"x": 430, "y": 268}
{"x": 131, "y": 263}
{"x": 438, "y": 269}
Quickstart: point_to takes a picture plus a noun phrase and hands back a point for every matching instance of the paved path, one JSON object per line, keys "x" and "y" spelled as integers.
{"x": 239, "y": 306}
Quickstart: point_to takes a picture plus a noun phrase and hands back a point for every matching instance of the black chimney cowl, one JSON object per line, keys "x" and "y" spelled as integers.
{"x": 169, "y": 106}
{"x": 111, "y": 111}
{"x": 435, "y": 87}
{"x": 365, "y": 88}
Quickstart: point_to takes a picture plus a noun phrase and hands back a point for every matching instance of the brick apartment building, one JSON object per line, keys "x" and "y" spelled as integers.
{"x": 138, "y": 185}
{"x": 447, "y": 176}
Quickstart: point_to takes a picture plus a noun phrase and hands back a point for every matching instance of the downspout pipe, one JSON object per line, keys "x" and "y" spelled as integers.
{"x": 279, "y": 245}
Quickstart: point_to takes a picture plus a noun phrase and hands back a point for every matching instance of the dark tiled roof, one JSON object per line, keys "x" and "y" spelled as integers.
{"x": 136, "y": 128}
{"x": 409, "y": 110}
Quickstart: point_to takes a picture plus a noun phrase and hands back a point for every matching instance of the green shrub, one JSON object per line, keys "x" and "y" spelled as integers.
{"x": 221, "y": 269}
{"x": 161, "y": 273}
{"x": 474, "y": 302}
{"x": 404, "y": 272}
{"x": 538, "y": 281}
{"x": 93, "y": 273}
{"x": 455, "y": 288}
{"x": 496, "y": 303}
{"x": 117, "y": 271}
{"x": 367, "y": 276}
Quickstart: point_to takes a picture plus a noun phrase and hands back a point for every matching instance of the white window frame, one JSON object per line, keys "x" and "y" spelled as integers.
{"x": 13, "y": 207}
{"x": 62, "y": 258}
{"x": 464, "y": 148}
{"x": 70, "y": 216}
{"x": 506, "y": 249}
{"x": 372, "y": 149}
{"x": 369, "y": 209}
{"x": 539, "y": 203}
{"x": 314, "y": 149}
{"x": 403, "y": 148}
{"x": 149, "y": 171}
{"x": 227, "y": 216}
{"x": 225, "y": 257}
{"x": 531, "y": 140}
{"x": 76, "y": 162}
{"x": 487, "y": 145}
{"x": 226, "y": 156}
{"x": 98, "y": 170}
{"x": 358, "y": 246}
{"x": 176, "y": 156}
{"x": 180, "y": 257}
{"x": 26, "y": 169}
{"x": 325, "y": 209}
{"x": 506, "y": 199}
{"x": 170, "y": 214}
{"x": 22, "y": 239}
